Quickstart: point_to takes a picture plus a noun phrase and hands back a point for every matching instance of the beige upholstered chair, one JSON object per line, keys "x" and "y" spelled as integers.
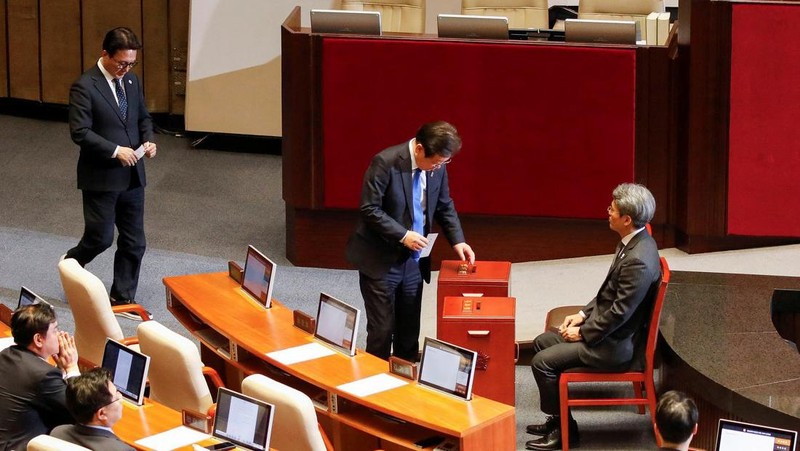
{"x": 520, "y": 13}
{"x": 176, "y": 372}
{"x": 405, "y": 16}
{"x": 295, "y": 425}
{"x": 92, "y": 311}
{"x": 635, "y": 10}
{"x": 45, "y": 442}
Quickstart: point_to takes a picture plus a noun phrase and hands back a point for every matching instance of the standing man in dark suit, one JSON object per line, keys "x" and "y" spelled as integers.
{"x": 32, "y": 399}
{"x": 97, "y": 406}
{"x": 602, "y": 334}
{"x": 405, "y": 188}
{"x": 108, "y": 119}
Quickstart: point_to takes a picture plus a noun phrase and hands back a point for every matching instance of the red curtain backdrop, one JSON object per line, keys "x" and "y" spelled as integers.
{"x": 764, "y": 163}
{"x": 548, "y": 130}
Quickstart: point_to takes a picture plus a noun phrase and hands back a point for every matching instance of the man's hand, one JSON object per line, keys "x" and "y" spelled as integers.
{"x": 149, "y": 149}
{"x": 571, "y": 321}
{"x": 414, "y": 241}
{"x": 67, "y": 357}
{"x": 571, "y": 334}
{"x": 126, "y": 156}
{"x": 464, "y": 252}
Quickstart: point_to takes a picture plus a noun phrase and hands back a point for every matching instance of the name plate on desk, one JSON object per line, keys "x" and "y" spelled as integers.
{"x": 304, "y": 321}
{"x": 197, "y": 421}
{"x": 403, "y": 368}
{"x": 235, "y": 271}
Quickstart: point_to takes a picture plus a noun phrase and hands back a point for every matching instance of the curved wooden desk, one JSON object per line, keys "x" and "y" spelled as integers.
{"x": 236, "y": 333}
{"x": 722, "y": 348}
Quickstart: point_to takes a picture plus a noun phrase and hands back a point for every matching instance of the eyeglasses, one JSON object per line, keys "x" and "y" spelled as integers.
{"x": 442, "y": 163}
{"x": 124, "y": 64}
{"x": 116, "y": 398}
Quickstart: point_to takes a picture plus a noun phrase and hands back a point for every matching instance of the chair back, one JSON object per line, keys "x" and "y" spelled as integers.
{"x": 91, "y": 310}
{"x": 520, "y": 13}
{"x": 176, "y": 371}
{"x": 295, "y": 423}
{"x": 404, "y": 16}
{"x": 655, "y": 318}
{"x": 635, "y": 10}
{"x": 46, "y": 442}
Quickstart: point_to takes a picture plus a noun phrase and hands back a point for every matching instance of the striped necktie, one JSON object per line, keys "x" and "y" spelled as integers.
{"x": 123, "y": 101}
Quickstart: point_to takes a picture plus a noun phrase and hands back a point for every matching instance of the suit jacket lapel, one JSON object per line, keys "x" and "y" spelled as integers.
{"x": 101, "y": 84}
{"x": 404, "y": 165}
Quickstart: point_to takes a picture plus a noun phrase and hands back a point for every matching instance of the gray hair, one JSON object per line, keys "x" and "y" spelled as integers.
{"x": 635, "y": 201}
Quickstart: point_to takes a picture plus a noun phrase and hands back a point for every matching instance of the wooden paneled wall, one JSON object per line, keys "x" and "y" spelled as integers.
{"x": 46, "y": 44}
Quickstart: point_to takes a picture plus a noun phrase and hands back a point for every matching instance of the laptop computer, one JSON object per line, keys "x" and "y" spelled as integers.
{"x": 243, "y": 420}
{"x": 337, "y": 324}
{"x": 472, "y": 27}
{"x": 346, "y": 22}
{"x": 28, "y": 297}
{"x": 738, "y": 436}
{"x": 447, "y": 368}
{"x": 600, "y": 31}
{"x": 128, "y": 370}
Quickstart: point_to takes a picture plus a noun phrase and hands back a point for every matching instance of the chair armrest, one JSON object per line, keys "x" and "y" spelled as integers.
{"x": 130, "y": 341}
{"x": 212, "y": 410}
{"x": 136, "y": 308}
{"x": 555, "y": 317}
{"x": 213, "y": 376}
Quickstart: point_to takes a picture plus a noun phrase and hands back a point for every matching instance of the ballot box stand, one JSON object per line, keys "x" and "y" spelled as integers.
{"x": 484, "y": 278}
{"x": 484, "y": 325}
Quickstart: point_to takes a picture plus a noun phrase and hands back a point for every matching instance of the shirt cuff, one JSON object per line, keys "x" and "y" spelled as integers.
{"x": 580, "y": 312}
{"x": 402, "y": 240}
{"x": 76, "y": 372}
{"x": 114, "y": 155}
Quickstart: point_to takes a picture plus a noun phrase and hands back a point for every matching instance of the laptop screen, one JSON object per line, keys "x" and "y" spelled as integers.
{"x": 737, "y": 436}
{"x": 28, "y": 297}
{"x": 128, "y": 370}
{"x": 259, "y": 276}
{"x": 346, "y": 22}
{"x": 243, "y": 420}
{"x": 448, "y": 368}
{"x": 337, "y": 324}
{"x": 472, "y": 27}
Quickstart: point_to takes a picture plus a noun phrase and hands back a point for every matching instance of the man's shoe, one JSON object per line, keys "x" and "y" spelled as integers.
{"x": 552, "y": 441}
{"x": 544, "y": 428}
{"x": 129, "y": 315}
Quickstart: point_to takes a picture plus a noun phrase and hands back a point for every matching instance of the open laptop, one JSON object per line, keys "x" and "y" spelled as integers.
{"x": 28, "y": 297}
{"x": 600, "y": 31}
{"x": 243, "y": 420}
{"x": 337, "y": 324}
{"x": 472, "y": 27}
{"x": 346, "y": 22}
{"x": 448, "y": 368}
{"x": 258, "y": 279}
{"x": 128, "y": 370}
{"x": 738, "y": 436}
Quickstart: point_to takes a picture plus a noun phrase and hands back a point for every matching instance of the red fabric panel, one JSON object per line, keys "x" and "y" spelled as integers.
{"x": 548, "y": 130}
{"x": 764, "y": 162}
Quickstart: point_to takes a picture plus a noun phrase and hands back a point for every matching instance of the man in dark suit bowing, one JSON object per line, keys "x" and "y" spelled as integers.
{"x": 109, "y": 121}
{"x": 604, "y": 332}
{"x": 404, "y": 190}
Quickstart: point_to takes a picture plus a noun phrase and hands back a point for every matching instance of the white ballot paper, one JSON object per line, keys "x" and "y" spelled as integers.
{"x": 139, "y": 152}
{"x": 426, "y": 251}
{"x": 173, "y": 438}
{"x": 301, "y": 353}
{"x": 371, "y": 385}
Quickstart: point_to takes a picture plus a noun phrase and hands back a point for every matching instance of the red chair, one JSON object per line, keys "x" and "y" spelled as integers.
{"x": 642, "y": 380}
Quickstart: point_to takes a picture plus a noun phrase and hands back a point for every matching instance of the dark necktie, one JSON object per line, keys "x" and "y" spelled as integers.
{"x": 417, "y": 223}
{"x": 123, "y": 101}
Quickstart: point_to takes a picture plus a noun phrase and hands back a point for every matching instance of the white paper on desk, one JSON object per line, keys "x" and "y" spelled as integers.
{"x": 426, "y": 251}
{"x": 371, "y": 385}
{"x": 6, "y": 342}
{"x": 139, "y": 152}
{"x": 174, "y": 438}
{"x": 301, "y": 353}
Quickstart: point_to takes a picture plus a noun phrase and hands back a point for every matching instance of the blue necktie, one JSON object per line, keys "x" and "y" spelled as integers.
{"x": 123, "y": 101}
{"x": 418, "y": 222}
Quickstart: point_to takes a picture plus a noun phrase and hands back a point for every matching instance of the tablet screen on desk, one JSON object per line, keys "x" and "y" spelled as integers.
{"x": 448, "y": 368}
{"x": 128, "y": 370}
{"x": 259, "y": 276}
{"x": 337, "y": 324}
{"x": 243, "y": 420}
{"x": 737, "y": 436}
{"x": 28, "y": 297}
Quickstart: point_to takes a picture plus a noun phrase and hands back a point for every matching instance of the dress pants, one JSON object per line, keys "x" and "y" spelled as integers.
{"x": 552, "y": 355}
{"x": 102, "y": 210}
{"x": 393, "y": 306}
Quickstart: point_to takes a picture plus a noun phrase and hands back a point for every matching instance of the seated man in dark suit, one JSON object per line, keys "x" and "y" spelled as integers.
{"x": 96, "y": 405}
{"x": 676, "y": 420}
{"x": 602, "y": 334}
{"x": 32, "y": 399}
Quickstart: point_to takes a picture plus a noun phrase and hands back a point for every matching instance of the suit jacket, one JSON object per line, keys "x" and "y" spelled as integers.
{"x": 32, "y": 398}
{"x": 96, "y": 125}
{"x": 89, "y": 437}
{"x": 387, "y": 209}
{"x": 623, "y": 304}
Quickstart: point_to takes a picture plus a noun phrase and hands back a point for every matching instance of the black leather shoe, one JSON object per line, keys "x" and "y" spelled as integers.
{"x": 552, "y": 441}
{"x": 544, "y": 428}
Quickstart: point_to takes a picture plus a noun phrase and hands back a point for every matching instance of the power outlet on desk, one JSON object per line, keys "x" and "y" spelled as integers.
{"x": 234, "y": 352}
{"x": 334, "y": 403}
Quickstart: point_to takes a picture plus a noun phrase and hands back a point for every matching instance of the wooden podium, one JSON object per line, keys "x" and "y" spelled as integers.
{"x": 484, "y": 325}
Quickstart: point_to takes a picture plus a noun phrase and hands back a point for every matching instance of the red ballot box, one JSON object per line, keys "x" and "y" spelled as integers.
{"x": 480, "y": 279}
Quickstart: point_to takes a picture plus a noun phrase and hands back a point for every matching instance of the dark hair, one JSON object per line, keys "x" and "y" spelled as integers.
{"x": 121, "y": 38}
{"x": 439, "y": 138}
{"x": 676, "y": 416}
{"x": 30, "y": 320}
{"x": 87, "y": 393}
